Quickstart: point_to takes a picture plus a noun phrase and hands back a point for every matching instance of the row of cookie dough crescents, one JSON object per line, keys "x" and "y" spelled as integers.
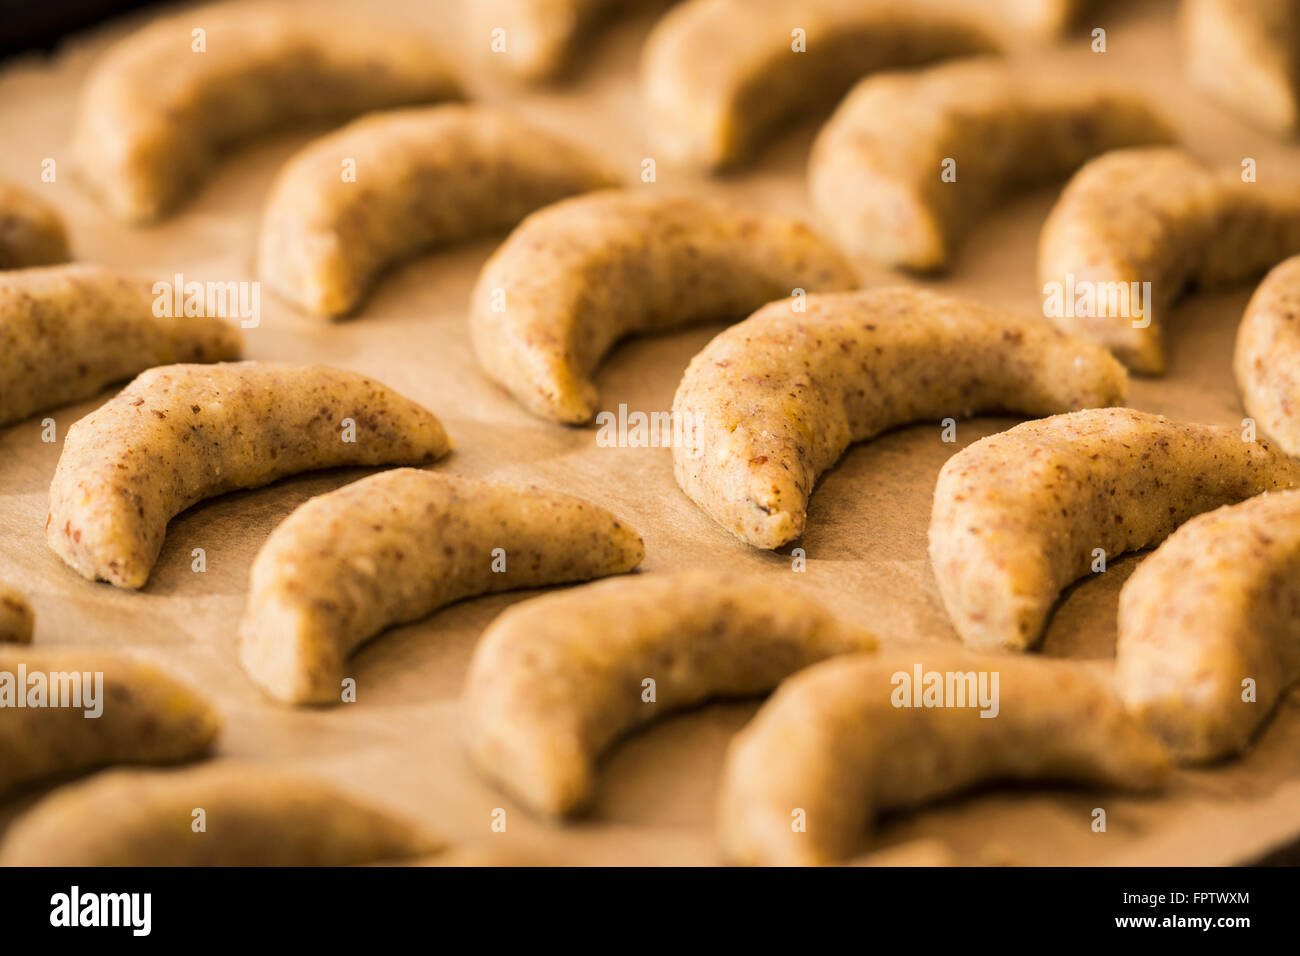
{"x": 719, "y": 76}
{"x": 143, "y": 146}
{"x": 396, "y": 547}
{"x": 109, "y": 507}
{"x": 1199, "y": 227}
{"x": 814, "y": 376}
{"x": 71, "y": 330}
{"x": 224, "y": 813}
{"x": 661, "y": 261}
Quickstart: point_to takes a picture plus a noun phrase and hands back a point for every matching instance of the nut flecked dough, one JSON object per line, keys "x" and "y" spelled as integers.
{"x": 397, "y": 546}
{"x": 557, "y": 679}
{"x": 179, "y": 434}
{"x": 66, "y": 332}
{"x": 1021, "y": 514}
{"x": 1267, "y": 360}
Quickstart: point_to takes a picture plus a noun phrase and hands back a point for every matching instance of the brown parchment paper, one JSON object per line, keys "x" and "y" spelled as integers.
{"x": 866, "y": 538}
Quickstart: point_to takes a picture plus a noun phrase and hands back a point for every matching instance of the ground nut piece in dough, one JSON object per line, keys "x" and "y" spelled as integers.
{"x": 834, "y": 743}
{"x": 1246, "y": 55}
{"x": 146, "y": 716}
{"x": 578, "y": 276}
{"x": 423, "y": 176}
{"x": 1021, "y": 514}
{"x": 31, "y": 231}
{"x": 182, "y": 433}
{"x": 1268, "y": 356}
{"x": 16, "y": 617}
{"x": 1216, "y": 605}
{"x": 155, "y": 112}
{"x": 68, "y": 331}
{"x": 876, "y": 173}
{"x": 772, "y": 403}
{"x": 1156, "y": 216}
{"x": 397, "y": 546}
{"x": 556, "y": 680}
{"x": 252, "y": 815}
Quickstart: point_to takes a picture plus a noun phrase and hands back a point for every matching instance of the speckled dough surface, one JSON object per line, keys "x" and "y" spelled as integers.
{"x": 1267, "y": 361}
{"x": 833, "y": 742}
{"x": 397, "y": 546}
{"x": 422, "y": 177}
{"x": 66, "y": 332}
{"x": 182, "y": 433}
{"x": 1246, "y": 55}
{"x": 556, "y": 680}
{"x": 1021, "y": 514}
{"x": 1158, "y": 216}
{"x": 147, "y": 717}
{"x": 578, "y": 276}
{"x": 143, "y": 142}
{"x": 253, "y": 815}
{"x": 877, "y": 170}
{"x": 31, "y": 231}
{"x": 16, "y": 616}
{"x": 1216, "y": 606}
{"x": 773, "y": 402}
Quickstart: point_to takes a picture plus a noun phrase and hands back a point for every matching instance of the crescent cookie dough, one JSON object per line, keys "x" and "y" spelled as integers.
{"x": 251, "y": 815}
{"x": 578, "y": 276}
{"x": 877, "y": 173}
{"x": 421, "y": 177}
{"x": 397, "y": 546}
{"x": 1155, "y": 217}
{"x": 110, "y": 709}
{"x": 31, "y": 231}
{"x": 16, "y": 617}
{"x": 1021, "y": 514}
{"x": 772, "y": 403}
{"x": 1209, "y": 627}
{"x": 156, "y": 110}
{"x": 848, "y": 739}
{"x": 1247, "y": 56}
{"x": 68, "y": 331}
{"x": 1267, "y": 360}
{"x": 180, "y": 433}
{"x": 721, "y": 76}
{"x": 556, "y": 680}
{"x": 539, "y": 38}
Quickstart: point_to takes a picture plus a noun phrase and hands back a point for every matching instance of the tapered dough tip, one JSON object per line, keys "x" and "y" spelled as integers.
{"x": 294, "y": 668}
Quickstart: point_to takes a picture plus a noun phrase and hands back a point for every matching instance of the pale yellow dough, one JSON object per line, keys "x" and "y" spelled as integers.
{"x": 421, "y": 177}
{"x": 252, "y": 816}
{"x": 16, "y": 616}
{"x": 182, "y": 433}
{"x": 1157, "y": 216}
{"x": 772, "y": 403}
{"x": 156, "y": 112}
{"x": 397, "y": 546}
{"x": 556, "y": 680}
{"x": 1267, "y": 361}
{"x": 877, "y": 169}
{"x": 1021, "y": 514}
{"x": 66, "y": 332}
{"x": 578, "y": 276}
{"x": 147, "y": 717}
{"x": 1246, "y": 54}
{"x": 831, "y": 743}
{"x": 1217, "y": 605}
{"x": 31, "y": 231}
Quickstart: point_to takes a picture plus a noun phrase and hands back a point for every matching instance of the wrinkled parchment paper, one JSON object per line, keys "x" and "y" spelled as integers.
{"x": 866, "y": 538}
